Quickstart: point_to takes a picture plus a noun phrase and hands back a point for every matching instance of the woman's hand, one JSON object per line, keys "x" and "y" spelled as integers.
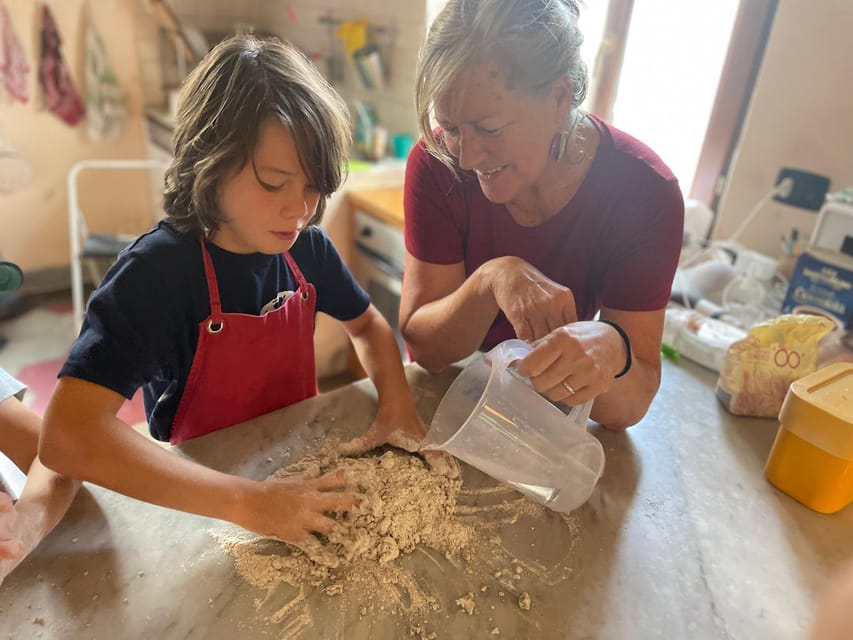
{"x": 533, "y": 304}
{"x": 575, "y": 363}
{"x": 292, "y": 509}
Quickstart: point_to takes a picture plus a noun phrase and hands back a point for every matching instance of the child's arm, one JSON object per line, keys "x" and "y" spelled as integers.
{"x": 83, "y": 438}
{"x": 397, "y": 421}
{"x": 46, "y": 496}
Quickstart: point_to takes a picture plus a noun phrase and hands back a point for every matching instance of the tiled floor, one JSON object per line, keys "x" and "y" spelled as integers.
{"x": 38, "y": 342}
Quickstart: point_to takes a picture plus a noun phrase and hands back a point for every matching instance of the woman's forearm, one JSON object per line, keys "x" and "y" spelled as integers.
{"x": 628, "y": 399}
{"x": 446, "y": 330}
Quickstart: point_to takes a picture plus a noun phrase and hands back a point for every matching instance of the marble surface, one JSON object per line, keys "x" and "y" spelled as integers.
{"x": 683, "y": 538}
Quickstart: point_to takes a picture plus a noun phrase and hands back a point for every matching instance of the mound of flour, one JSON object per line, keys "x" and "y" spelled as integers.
{"x": 406, "y": 510}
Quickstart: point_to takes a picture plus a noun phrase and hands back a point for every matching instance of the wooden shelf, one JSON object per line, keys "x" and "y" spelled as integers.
{"x": 384, "y": 204}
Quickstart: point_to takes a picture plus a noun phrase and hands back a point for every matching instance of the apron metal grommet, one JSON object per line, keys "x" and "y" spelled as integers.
{"x": 215, "y": 328}
{"x": 304, "y": 295}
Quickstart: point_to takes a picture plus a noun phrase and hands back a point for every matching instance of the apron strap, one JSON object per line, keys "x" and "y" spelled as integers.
{"x": 212, "y": 285}
{"x": 304, "y": 289}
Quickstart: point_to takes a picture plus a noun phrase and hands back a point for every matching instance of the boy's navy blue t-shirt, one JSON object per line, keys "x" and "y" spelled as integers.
{"x": 141, "y": 325}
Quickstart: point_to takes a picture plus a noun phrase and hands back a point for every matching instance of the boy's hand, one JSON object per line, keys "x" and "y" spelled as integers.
{"x": 292, "y": 509}
{"x": 442, "y": 463}
{"x": 406, "y": 431}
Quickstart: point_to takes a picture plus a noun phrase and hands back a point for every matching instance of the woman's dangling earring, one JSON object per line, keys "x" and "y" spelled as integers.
{"x": 558, "y": 145}
{"x": 561, "y": 139}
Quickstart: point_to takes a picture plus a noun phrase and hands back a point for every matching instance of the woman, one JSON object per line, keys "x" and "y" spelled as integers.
{"x": 525, "y": 216}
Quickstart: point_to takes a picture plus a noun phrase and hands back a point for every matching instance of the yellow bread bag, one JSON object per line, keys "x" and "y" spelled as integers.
{"x": 758, "y": 370}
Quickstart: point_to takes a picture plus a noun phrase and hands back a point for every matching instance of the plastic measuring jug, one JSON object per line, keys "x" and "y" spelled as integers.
{"x": 494, "y": 420}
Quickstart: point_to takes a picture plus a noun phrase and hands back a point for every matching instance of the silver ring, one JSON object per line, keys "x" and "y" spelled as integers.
{"x": 568, "y": 388}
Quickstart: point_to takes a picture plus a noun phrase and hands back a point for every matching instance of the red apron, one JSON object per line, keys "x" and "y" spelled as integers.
{"x": 244, "y": 365}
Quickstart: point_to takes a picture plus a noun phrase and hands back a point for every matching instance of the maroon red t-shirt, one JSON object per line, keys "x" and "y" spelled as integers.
{"x": 615, "y": 244}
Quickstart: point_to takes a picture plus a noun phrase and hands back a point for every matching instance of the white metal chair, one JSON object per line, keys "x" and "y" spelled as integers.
{"x": 90, "y": 247}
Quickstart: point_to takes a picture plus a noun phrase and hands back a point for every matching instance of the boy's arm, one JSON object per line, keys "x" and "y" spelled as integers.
{"x": 397, "y": 421}
{"x": 83, "y": 438}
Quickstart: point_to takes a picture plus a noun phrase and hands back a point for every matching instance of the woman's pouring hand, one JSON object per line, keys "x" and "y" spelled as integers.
{"x": 534, "y": 305}
{"x": 292, "y": 509}
{"x": 575, "y": 363}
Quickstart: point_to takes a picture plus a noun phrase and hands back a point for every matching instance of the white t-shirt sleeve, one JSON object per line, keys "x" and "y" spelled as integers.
{"x": 9, "y": 387}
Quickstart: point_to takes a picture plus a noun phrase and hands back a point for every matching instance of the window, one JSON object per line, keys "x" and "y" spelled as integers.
{"x": 677, "y": 75}
{"x": 673, "y": 58}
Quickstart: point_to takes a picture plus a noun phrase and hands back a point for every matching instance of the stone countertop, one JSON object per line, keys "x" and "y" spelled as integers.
{"x": 683, "y": 538}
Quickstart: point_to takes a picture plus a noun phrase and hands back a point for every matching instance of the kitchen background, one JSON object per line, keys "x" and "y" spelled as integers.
{"x": 796, "y": 110}
{"x": 798, "y": 114}
{"x": 144, "y": 63}
{"x": 728, "y": 92}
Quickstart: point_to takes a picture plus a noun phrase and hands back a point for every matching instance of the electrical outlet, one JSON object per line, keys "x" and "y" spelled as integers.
{"x": 809, "y": 189}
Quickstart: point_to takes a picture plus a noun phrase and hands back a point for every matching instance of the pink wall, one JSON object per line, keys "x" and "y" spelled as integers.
{"x": 33, "y": 220}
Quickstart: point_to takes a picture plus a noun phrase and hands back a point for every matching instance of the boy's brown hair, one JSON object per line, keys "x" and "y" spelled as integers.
{"x": 223, "y": 102}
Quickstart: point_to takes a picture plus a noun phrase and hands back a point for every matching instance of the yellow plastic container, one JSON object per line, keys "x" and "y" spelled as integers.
{"x": 812, "y": 457}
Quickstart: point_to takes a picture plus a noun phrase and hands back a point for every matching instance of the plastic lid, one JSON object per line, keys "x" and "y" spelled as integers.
{"x": 819, "y": 409}
{"x": 11, "y": 276}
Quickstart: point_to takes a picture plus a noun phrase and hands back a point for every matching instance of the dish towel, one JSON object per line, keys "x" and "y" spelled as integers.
{"x": 59, "y": 93}
{"x": 105, "y": 108}
{"x": 13, "y": 62}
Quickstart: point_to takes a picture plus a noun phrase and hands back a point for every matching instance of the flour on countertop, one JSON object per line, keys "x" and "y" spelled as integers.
{"x": 466, "y": 603}
{"x": 407, "y": 513}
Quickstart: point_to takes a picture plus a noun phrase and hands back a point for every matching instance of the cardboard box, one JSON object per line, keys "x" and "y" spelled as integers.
{"x": 822, "y": 283}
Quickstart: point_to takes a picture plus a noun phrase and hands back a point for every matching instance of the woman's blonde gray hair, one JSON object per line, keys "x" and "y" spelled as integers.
{"x": 224, "y": 101}
{"x": 533, "y": 42}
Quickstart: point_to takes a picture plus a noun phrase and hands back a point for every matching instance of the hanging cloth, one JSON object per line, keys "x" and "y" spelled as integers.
{"x": 105, "y": 108}
{"x": 59, "y": 93}
{"x": 13, "y": 62}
